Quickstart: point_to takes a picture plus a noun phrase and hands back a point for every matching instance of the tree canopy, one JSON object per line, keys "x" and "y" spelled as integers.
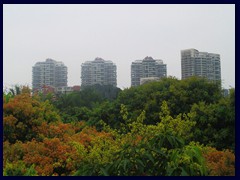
{"x": 167, "y": 128}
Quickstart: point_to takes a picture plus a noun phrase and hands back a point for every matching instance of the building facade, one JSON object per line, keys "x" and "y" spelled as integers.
{"x": 99, "y": 71}
{"x": 147, "y": 68}
{"x": 203, "y": 64}
{"x": 148, "y": 79}
{"x": 67, "y": 89}
{"x": 50, "y": 73}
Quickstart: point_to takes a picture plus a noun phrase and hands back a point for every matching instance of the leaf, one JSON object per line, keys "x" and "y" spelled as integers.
{"x": 140, "y": 162}
{"x": 170, "y": 171}
{"x": 105, "y": 173}
{"x": 197, "y": 154}
{"x": 150, "y": 157}
{"x": 184, "y": 173}
{"x": 174, "y": 155}
{"x": 159, "y": 152}
{"x": 171, "y": 141}
{"x": 125, "y": 162}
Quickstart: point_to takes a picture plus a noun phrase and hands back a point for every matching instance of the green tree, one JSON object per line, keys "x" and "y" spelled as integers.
{"x": 215, "y": 123}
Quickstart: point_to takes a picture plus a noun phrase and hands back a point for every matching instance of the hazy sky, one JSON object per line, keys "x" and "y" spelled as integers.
{"x": 122, "y": 33}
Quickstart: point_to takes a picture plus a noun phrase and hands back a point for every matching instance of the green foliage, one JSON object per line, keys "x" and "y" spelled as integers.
{"x": 142, "y": 146}
{"x": 73, "y": 114}
{"x": 108, "y": 92}
{"x": 19, "y": 169}
{"x": 7, "y": 97}
{"x": 106, "y": 112}
{"x": 89, "y": 96}
{"x": 149, "y": 130}
{"x": 16, "y": 90}
{"x": 180, "y": 95}
{"x": 215, "y": 123}
{"x": 90, "y": 104}
{"x": 180, "y": 126}
{"x": 187, "y": 161}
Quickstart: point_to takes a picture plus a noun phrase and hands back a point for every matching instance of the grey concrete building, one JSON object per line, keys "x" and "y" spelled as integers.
{"x": 148, "y": 79}
{"x": 203, "y": 64}
{"x": 147, "y": 68}
{"x": 99, "y": 71}
{"x": 51, "y": 73}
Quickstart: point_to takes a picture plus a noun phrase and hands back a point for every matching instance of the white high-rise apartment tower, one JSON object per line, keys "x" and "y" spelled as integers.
{"x": 203, "y": 64}
{"x": 147, "y": 69}
{"x": 51, "y": 73}
{"x": 99, "y": 71}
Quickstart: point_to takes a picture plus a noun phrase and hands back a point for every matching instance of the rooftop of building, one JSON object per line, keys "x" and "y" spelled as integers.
{"x": 97, "y": 60}
{"x": 49, "y": 60}
{"x": 200, "y": 53}
{"x": 148, "y": 58}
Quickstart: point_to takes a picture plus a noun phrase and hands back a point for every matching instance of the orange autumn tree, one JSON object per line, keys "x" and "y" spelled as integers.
{"x": 50, "y": 157}
{"x": 59, "y": 155}
{"x": 22, "y": 114}
{"x": 220, "y": 163}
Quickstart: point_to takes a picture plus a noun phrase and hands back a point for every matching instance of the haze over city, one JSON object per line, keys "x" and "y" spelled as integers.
{"x": 122, "y": 33}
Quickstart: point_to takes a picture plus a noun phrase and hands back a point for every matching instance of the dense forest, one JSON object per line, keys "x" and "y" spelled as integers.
{"x": 167, "y": 128}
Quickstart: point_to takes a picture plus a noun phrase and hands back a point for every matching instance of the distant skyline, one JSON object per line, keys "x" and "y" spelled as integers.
{"x": 121, "y": 33}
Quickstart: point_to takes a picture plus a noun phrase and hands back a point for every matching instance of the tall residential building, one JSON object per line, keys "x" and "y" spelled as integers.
{"x": 147, "y": 68}
{"x": 99, "y": 71}
{"x": 195, "y": 63}
{"x": 51, "y": 73}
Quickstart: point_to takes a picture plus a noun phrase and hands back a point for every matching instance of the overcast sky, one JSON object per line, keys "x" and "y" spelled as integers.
{"x": 74, "y": 34}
